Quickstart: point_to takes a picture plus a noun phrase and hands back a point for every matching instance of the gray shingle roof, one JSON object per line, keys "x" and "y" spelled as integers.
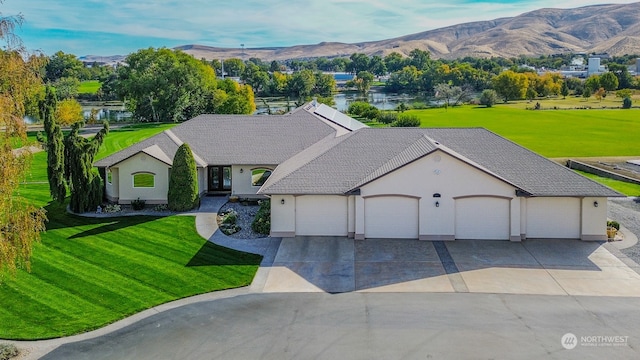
{"x": 237, "y": 139}
{"x": 338, "y": 166}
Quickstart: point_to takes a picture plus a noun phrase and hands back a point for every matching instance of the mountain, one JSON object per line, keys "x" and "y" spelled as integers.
{"x": 613, "y": 29}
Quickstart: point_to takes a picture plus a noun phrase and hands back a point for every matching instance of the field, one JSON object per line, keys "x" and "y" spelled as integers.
{"x": 89, "y": 87}
{"x": 87, "y": 273}
{"x": 551, "y": 133}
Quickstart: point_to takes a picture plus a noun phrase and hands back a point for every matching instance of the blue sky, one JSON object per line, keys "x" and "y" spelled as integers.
{"x": 116, "y": 27}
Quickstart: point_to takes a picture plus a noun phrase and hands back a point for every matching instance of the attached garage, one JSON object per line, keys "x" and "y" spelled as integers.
{"x": 394, "y": 217}
{"x": 317, "y": 214}
{"x": 553, "y": 218}
{"x": 482, "y": 218}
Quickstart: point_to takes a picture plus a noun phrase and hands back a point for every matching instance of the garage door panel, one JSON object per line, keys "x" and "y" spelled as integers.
{"x": 392, "y": 217}
{"x": 482, "y": 218}
{"x": 553, "y": 218}
{"x": 321, "y": 215}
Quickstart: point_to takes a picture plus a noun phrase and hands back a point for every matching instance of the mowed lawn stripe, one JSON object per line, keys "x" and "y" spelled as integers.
{"x": 97, "y": 284}
{"x": 121, "y": 138}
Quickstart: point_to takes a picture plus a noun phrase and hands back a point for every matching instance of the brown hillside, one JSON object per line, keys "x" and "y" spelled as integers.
{"x": 614, "y": 29}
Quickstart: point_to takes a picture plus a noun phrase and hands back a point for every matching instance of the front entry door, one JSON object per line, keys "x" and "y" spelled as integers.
{"x": 219, "y": 178}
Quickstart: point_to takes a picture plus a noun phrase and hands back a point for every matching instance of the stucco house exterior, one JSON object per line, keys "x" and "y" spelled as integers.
{"x": 329, "y": 175}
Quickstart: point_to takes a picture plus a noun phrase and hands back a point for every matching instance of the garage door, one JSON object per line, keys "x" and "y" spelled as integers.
{"x": 321, "y": 215}
{"x": 391, "y": 217}
{"x": 482, "y": 218}
{"x": 553, "y": 218}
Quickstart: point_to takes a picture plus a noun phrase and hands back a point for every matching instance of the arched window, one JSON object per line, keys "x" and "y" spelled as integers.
{"x": 144, "y": 180}
{"x": 259, "y": 176}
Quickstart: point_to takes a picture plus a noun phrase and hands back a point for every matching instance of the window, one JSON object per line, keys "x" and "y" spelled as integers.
{"x": 259, "y": 176}
{"x": 109, "y": 176}
{"x": 144, "y": 180}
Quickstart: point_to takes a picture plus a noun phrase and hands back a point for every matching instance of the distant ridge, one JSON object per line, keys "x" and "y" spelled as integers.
{"x": 612, "y": 29}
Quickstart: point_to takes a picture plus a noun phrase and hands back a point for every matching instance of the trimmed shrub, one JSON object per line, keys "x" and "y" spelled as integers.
{"x": 387, "y": 117}
{"x": 407, "y": 120}
{"x": 626, "y": 103}
{"x": 183, "y": 183}
{"x": 138, "y": 204}
{"x": 230, "y": 217}
{"x": 262, "y": 222}
{"x": 613, "y": 224}
{"x": 371, "y": 113}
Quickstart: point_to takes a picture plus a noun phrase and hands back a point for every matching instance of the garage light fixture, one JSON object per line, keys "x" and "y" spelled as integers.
{"x": 282, "y": 201}
{"x": 595, "y": 204}
{"x": 241, "y": 170}
{"x": 437, "y": 204}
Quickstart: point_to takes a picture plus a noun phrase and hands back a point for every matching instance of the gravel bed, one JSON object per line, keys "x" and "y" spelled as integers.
{"x": 246, "y": 214}
{"x": 626, "y": 211}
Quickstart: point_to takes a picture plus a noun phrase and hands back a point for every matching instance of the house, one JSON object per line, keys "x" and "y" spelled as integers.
{"x": 329, "y": 175}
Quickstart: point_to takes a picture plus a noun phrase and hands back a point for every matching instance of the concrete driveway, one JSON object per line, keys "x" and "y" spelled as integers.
{"x": 535, "y": 267}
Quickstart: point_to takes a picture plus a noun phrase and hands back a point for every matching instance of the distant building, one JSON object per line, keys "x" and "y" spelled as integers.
{"x": 594, "y": 66}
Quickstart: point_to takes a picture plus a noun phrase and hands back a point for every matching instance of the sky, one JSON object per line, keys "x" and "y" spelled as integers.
{"x": 117, "y": 27}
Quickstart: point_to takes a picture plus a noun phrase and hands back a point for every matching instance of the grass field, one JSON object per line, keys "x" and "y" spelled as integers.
{"x": 87, "y": 273}
{"x": 626, "y": 188}
{"x": 119, "y": 139}
{"x": 89, "y": 87}
{"x": 551, "y": 133}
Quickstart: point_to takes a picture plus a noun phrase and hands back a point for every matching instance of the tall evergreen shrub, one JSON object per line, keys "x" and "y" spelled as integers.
{"x": 183, "y": 183}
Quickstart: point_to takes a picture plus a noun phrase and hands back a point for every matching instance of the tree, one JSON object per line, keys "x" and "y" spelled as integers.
{"x": 66, "y": 87}
{"x": 488, "y": 97}
{"x": 377, "y": 66}
{"x": 54, "y": 147}
{"x": 586, "y": 93}
{"x": 510, "y": 85}
{"x": 69, "y": 111}
{"x": 420, "y": 59}
{"x": 168, "y": 85}
{"x": 84, "y": 182}
{"x": 20, "y": 222}
{"x": 609, "y": 81}
{"x": 452, "y": 95}
{"x": 363, "y": 81}
{"x": 301, "y": 84}
{"x": 183, "y": 182}
{"x": 592, "y": 83}
{"x": 564, "y": 90}
{"x": 359, "y": 62}
{"x": 63, "y": 65}
{"x": 234, "y": 67}
{"x": 624, "y": 93}
{"x": 621, "y": 71}
{"x": 600, "y": 94}
{"x": 394, "y": 62}
{"x": 626, "y": 103}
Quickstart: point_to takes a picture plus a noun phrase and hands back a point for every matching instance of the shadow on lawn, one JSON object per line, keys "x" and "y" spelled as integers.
{"x": 212, "y": 254}
{"x": 59, "y": 218}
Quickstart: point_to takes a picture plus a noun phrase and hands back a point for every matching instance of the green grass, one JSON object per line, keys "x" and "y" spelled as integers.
{"x": 89, "y": 87}
{"x": 121, "y": 138}
{"x": 626, "y": 188}
{"x": 87, "y": 273}
{"x": 551, "y": 133}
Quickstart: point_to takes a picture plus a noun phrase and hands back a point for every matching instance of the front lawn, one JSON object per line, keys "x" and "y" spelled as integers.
{"x": 626, "y": 188}
{"x": 87, "y": 273}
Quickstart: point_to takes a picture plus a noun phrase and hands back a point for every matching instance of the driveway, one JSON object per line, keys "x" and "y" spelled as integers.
{"x": 533, "y": 267}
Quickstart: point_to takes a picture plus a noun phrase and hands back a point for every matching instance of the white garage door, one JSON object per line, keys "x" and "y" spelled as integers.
{"x": 321, "y": 215}
{"x": 391, "y": 217}
{"x": 553, "y": 218}
{"x": 482, "y": 218}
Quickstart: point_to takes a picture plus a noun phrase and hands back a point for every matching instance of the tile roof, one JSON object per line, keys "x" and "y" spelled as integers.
{"x": 236, "y": 139}
{"x": 341, "y": 165}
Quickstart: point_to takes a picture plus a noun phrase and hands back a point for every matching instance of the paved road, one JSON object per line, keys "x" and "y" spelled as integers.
{"x": 376, "y": 326}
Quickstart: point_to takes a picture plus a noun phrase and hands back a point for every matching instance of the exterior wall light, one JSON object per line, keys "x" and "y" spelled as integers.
{"x": 437, "y": 204}
{"x": 282, "y": 201}
{"x": 241, "y": 170}
{"x": 595, "y": 204}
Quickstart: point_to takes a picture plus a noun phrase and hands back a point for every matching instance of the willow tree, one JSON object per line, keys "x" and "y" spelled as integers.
{"x": 84, "y": 182}
{"x": 20, "y": 222}
{"x": 55, "y": 148}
